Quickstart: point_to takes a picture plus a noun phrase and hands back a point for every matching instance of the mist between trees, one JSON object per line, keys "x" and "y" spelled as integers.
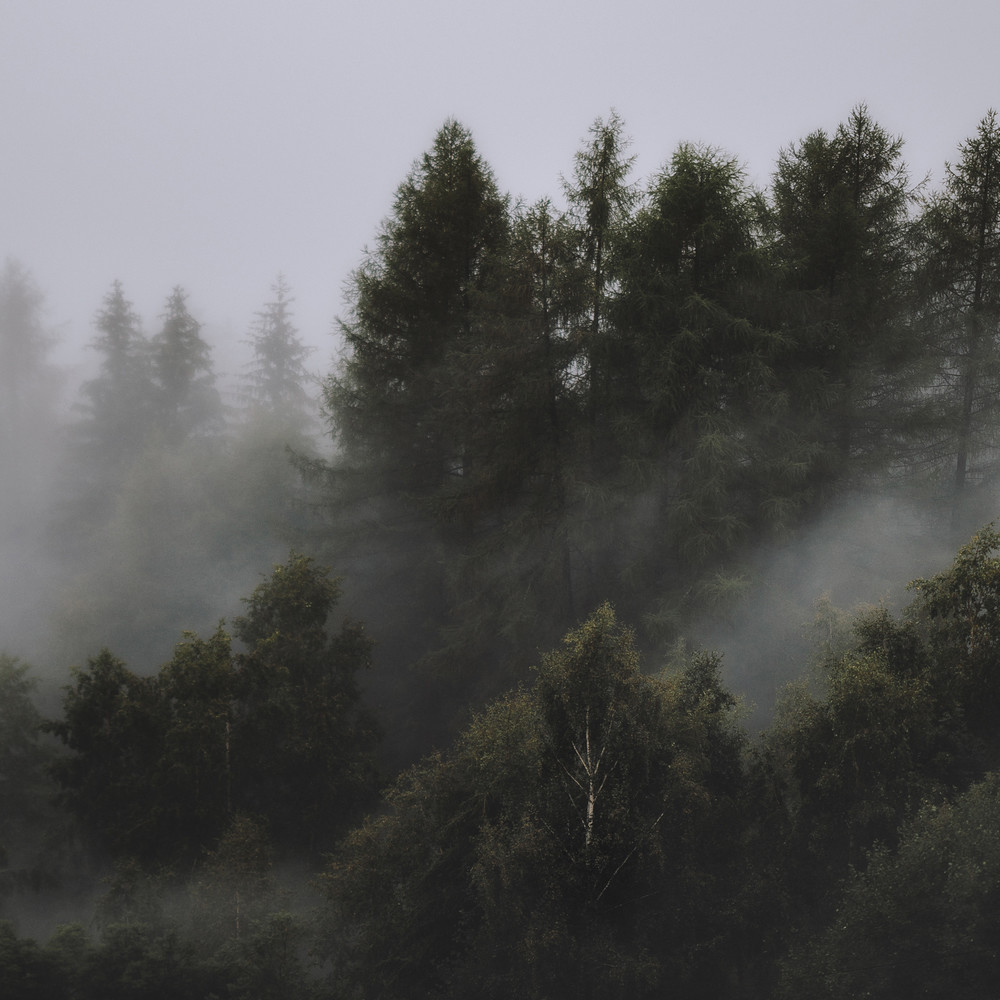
{"x": 700, "y": 404}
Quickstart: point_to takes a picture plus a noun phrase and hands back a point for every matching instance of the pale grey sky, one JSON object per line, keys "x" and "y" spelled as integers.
{"x": 214, "y": 143}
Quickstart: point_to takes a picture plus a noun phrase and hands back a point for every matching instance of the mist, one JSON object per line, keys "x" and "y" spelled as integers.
{"x": 252, "y": 585}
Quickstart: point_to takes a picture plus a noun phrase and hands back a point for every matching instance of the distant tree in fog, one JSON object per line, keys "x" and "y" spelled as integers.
{"x": 182, "y": 369}
{"x": 119, "y": 400}
{"x": 24, "y": 343}
{"x": 25, "y": 789}
{"x": 276, "y": 377}
{"x": 28, "y": 382}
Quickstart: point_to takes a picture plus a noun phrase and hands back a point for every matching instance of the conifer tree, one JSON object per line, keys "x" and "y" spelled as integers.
{"x": 601, "y": 200}
{"x": 703, "y": 419}
{"x": 405, "y": 423}
{"x": 840, "y": 216}
{"x": 960, "y": 277}
{"x": 119, "y": 407}
{"x": 182, "y": 366}
{"x": 276, "y": 379}
{"x": 415, "y": 298}
{"x": 28, "y": 387}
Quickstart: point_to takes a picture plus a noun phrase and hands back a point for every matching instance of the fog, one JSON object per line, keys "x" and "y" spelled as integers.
{"x": 214, "y": 147}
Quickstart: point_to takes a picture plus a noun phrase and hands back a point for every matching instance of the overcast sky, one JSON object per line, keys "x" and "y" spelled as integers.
{"x": 214, "y": 143}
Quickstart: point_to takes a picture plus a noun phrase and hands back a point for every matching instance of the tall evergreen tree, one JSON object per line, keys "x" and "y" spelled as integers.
{"x": 840, "y": 214}
{"x": 400, "y": 416}
{"x": 960, "y": 278}
{"x": 703, "y": 419}
{"x": 414, "y": 299}
{"x": 601, "y": 200}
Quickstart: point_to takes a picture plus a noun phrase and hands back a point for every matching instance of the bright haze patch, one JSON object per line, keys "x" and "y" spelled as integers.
{"x": 214, "y": 145}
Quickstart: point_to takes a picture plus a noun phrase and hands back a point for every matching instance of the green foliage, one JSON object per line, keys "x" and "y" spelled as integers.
{"x": 159, "y": 766}
{"x": 706, "y": 411}
{"x": 268, "y": 963}
{"x": 413, "y": 301}
{"x": 234, "y": 884}
{"x": 114, "y": 724}
{"x": 305, "y": 742}
{"x": 906, "y": 715}
{"x": 574, "y": 841}
{"x": 919, "y": 922}
{"x": 24, "y": 786}
{"x": 132, "y": 896}
{"x": 959, "y": 274}
{"x": 961, "y": 612}
{"x": 194, "y": 780}
{"x": 537, "y": 412}
{"x": 839, "y": 218}
{"x": 24, "y": 974}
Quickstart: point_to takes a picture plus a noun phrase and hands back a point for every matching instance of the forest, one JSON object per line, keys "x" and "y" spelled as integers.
{"x": 487, "y": 664}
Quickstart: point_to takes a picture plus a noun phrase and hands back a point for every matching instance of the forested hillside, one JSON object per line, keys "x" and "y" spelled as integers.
{"x": 458, "y": 737}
